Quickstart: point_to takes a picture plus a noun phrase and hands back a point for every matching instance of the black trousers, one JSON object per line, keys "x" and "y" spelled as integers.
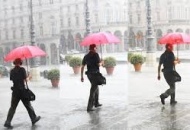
{"x": 14, "y": 103}
{"x": 169, "y": 77}
{"x": 94, "y": 92}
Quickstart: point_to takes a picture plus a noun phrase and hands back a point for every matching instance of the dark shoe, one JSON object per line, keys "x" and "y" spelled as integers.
{"x": 89, "y": 110}
{"x": 162, "y": 99}
{"x": 98, "y": 105}
{"x": 36, "y": 120}
{"x": 8, "y": 125}
{"x": 173, "y": 102}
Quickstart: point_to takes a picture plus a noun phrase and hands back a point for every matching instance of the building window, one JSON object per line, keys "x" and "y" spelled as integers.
{"x": 6, "y": 35}
{"x": 53, "y": 29}
{"x": 131, "y": 19}
{"x": 139, "y": 18}
{"x": 68, "y": 9}
{"x": 5, "y": 11}
{"x": 14, "y": 34}
{"x": 77, "y": 8}
{"x": 158, "y": 16}
{"x": 40, "y": 15}
{"x": 13, "y": 9}
{"x": 51, "y": 1}
{"x": 22, "y": 33}
{"x": 96, "y": 18}
{"x": 40, "y": 2}
{"x": 77, "y": 21}
{"x": 21, "y": 7}
{"x": 41, "y": 31}
{"x": 21, "y": 19}
{"x": 6, "y": 21}
{"x": 61, "y": 23}
{"x": 69, "y": 22}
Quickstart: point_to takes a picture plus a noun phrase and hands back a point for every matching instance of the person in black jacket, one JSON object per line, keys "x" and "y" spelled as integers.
{"x": 168, "y": 60}
{"x": 93, "y": 62}
{"x": 18, "y": 76}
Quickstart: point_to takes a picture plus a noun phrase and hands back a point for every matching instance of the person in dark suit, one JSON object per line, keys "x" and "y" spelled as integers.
{"x": 168, "y": 60}
{"x": 18, "y": 76}
{"x": 93, "y": 62}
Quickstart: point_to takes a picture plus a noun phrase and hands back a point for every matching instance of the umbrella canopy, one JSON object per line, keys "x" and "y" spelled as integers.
{"x": 99, "y": 38}
{"x": 174, "y": 38}
{"x": 24, "y": 52}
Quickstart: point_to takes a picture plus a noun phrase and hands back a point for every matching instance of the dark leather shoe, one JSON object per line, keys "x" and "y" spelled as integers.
{"x": 98, "y": 105}
{"x": 36, "y": 120}
{"x": 8, "y": 126}
{"x": 162, "y": 99}
{"x": 173, "y": 102}
{"x": 89, "y": 110}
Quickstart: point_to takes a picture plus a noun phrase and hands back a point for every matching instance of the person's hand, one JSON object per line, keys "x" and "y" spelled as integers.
{"x": 159, "y": 77}
{"x": 178, "y": 61}
{"x": 82, "y": 79}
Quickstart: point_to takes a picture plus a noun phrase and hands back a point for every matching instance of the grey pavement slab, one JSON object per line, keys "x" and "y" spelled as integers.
{"x": 130, "y": 102}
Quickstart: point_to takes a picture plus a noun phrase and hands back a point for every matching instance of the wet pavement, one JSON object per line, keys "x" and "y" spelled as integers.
{"x": 130, "y": 102}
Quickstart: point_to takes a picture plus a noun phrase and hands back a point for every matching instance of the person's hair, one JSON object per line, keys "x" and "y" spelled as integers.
{"x": 168, "y": 45}
{"x": 92, "y": 46}
{"x": 17, "y": 61}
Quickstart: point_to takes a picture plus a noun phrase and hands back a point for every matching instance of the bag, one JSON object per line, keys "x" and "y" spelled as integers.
{"x": 28, "y": 95}
{"x": 177, "y": 77}
{"x": 99, "y": 79}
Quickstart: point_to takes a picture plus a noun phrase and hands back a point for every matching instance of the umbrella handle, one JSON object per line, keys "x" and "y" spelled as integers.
{"x": 177, "y": 50}
{"x": 101, "y": 50}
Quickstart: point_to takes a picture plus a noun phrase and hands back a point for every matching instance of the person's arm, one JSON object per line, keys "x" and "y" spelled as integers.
{"x": 159, "y": 67}
{"x": 82, "y": 71}
{"x": 176, "y": 61}
{"x": 82, "y": 68}
{"x": 100, "y": 61}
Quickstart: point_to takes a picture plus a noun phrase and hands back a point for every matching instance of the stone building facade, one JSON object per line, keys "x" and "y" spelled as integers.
{"x": 167, "y": 16}
{"x": 60, "y": 25}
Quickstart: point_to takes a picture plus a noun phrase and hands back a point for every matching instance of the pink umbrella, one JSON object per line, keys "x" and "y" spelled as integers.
{"x": 175, "y": 38}
{"x": 24, "y": 52}
{"x": 99, "y": 38}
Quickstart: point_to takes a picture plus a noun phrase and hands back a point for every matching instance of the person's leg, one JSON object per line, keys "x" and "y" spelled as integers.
{"x": 31, "y": 112}
{"x": 14, "y": 103}
{"x": 96, "y": 103}
{"x": 169, "y": 79}
{"x": 91, "y": 97}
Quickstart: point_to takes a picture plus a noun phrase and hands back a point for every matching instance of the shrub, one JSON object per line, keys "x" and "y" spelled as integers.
{"x": 67, "y": 58}
{"x": 109, "y": 62}
{"x": 75, "y": 61}
{"x": 129, "y": 55}
{"x": 137, "y": 58}
{"x": 53, "y": 74}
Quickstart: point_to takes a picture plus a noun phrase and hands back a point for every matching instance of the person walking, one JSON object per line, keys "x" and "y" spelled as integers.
{"x": 168, "y": 60}
{"x": 18, "y": 77}
{"x": 93, "y": 62}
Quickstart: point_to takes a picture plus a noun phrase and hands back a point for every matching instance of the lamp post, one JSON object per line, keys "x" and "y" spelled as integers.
{"x": 32, "y": 33}
{"x": 151, "y": 45}
{"x": 34, "y": 72}
{"x": 87, "y": 17}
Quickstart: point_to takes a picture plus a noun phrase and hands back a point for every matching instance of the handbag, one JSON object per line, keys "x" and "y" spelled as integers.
{"x": 99, "y": 79}
{"x": 27, "y": 94}
{"x": 177, "y": 77}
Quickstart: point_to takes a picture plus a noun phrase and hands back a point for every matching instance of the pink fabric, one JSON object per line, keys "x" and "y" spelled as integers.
{"x": 24, "y": 52}
{"x": 174, "y": 38}
{"x": 99, "y": 38}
